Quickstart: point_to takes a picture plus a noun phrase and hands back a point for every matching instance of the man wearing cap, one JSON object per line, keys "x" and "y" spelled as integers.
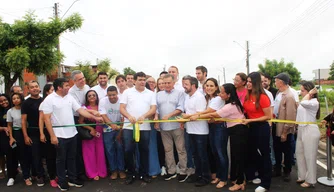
{"x": 285, "y": 109}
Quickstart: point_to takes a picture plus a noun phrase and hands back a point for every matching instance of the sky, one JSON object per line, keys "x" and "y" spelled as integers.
{"x": 147, "y": 35}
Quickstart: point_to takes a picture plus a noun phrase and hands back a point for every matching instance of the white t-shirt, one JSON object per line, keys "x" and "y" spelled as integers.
{"x": 178, "y": 85}
{"x": 271, "y": 98}
{"x": 137, "y": 104}
{"x": 295, "y": 94}
{"x": 196, "y": 103}
{"x": 110, "y": 109}
{"x": 216, "y": 103}
{"x": 200, "y": 88}
{"x": 100, "y": 91}
{"x": 61, "y": 112}
{"x": 79, "y": 95}
{"x": 14, "y": 116}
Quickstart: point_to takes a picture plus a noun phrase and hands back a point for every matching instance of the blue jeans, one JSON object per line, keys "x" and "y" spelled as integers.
{"x": 66, "y": 153}
{"x": 200, "y": 146}
{"x": 218, "y": 137}
{"x": 189, "y": 149}
{"x": 129, "y": 152}
{"x": 114, "y": 151}
{"x": 272, "y": 152}
{"x": 154, "y": 165}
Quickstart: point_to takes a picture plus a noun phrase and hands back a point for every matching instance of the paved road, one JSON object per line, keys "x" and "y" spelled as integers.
{"x": 106, "y": 185}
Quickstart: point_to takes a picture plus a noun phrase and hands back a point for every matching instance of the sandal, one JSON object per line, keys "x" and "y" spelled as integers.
{"x": 215, "y": 181}
{"x": 96, "y": 178}
{"x": 307, "y": 185}
{"x": 28, "y": 182}
{"x": 221, "y": 184}
{"x": 237, "y": 187}
{"x": 300, "y": 181}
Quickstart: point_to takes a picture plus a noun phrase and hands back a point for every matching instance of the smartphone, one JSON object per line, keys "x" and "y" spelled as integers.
{"x": 14, "y": 145}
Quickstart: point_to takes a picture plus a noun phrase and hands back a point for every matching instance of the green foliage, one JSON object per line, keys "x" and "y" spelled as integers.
{"x": 31, "y": 44}
{"x": 274, "y": 67}
{"x": 331, "y": 72}
{"x": 91, "y": 75}
{"x": 128, "y": 70}
{"x": 329, "y": 95}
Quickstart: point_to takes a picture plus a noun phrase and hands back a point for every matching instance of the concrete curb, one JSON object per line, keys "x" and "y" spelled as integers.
{"x": 322, "y": 146}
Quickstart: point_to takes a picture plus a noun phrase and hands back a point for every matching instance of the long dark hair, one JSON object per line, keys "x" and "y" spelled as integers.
{"x": 308, "y": 86}
{"x": 257, "y": 88}
{"x": 46, "y": 89}
{"x": 233, "y": 99}
{"x": 86, "y": 97}
{"x": 20, "y": 96}
{"x": 216, "y": 93}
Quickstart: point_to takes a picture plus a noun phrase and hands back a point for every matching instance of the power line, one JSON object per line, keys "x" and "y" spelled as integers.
{"x": 309, "y": 12}
{"x": 24, "y": 9}
{"x": 291, "y": 25}
{"x": 81, "y": 47}
{"x": 307, "y": 18}
{"x": 9, "y": 14}
{"x": 322, "y": 11}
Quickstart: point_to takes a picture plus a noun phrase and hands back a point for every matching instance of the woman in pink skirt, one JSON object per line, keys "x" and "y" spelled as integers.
{"x": 93, "y": 149}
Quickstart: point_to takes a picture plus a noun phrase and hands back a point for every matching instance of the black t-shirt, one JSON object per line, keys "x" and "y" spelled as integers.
{"x": 4, "y": 139}
{"x": 30, "y": 107}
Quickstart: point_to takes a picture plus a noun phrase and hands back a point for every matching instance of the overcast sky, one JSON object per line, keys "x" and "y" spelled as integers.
{"x": 148, "y": 34}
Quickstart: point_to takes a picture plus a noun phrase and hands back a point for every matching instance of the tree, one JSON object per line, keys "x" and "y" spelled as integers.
{"x": 91, "y": 75}
{"x": 128, "y": 70}
{"x": 31, "y": 44}
{"x": 273, "y": 68}
{"x": 331, "y": 72}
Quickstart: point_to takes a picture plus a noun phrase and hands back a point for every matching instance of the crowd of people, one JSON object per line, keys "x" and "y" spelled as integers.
{"x": 88, "y": 133}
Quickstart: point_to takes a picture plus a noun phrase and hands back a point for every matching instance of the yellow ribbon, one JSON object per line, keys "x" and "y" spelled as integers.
{"x": 181, "y": 120}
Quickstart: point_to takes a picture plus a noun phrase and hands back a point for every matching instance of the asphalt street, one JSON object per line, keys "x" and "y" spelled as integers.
{"x": 158, "y": 184}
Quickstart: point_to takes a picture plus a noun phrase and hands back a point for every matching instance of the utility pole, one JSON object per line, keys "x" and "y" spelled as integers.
{"x": 164, "y": 69}
{"x": 224, "y": 75}
{"x": 60, "y": 74}
{"x": 319, "y": 78}
{"x": 247, "y": 57}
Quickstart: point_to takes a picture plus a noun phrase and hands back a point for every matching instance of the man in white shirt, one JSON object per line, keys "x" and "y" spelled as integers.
{"x": 101, "y": 88}
{"x": 129, "y": 80}
{"x": 121, "y": 83}
{"x": 78, "y": 92}
{"x": 201, "y": 75}
{"x": 198, "y": 131}
{"x": 173, "y": 70}
{"x": 109, "y": 110}
{"x": 57, "y": 109}
{"x": 137, "y": 104}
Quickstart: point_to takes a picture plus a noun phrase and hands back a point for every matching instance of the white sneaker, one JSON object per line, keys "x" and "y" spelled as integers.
{"x": 260, "y": 189}
{"x": 163, "y": 171}
{"x": 256, "y": 181}
{"x": 10, "y": 182}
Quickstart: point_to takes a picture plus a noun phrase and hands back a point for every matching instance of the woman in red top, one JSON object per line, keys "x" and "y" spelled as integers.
{"x": 257, "y": 109}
